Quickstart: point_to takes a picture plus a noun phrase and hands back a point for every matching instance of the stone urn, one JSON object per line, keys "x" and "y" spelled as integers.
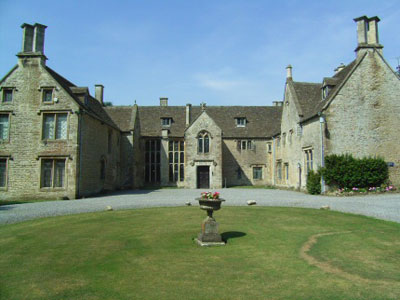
{"x": 209, "y": 235}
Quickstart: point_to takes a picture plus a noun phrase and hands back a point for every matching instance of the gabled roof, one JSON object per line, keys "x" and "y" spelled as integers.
{"x": 309, "y": 94}
{"x": 122, "y": 116}
{"x": 262, "y": 121}
{"x": 91, "y": 106}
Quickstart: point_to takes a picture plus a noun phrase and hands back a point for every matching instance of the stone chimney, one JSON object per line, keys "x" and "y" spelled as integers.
{"x": 38, "y": 38}
{"x": 27, "y": 38}
{"x": 367, "y": 34}
{"x": 188, "y": 109}
{"x": 99, "y": 93}
{"x": 277, "y": 103}
{"x": 163, "y": 101}
{"x": 289, "y": 72}
{"x": 32, "y": 51}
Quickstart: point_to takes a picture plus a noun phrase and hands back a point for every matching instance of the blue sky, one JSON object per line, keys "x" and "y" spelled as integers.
{"x": 222, "y": 52}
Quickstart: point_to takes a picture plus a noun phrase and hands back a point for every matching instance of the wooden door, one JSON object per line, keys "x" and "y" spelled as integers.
{"x": 203, "y": 177}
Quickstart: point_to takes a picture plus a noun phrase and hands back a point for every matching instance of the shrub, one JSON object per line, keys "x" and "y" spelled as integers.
{"x": 345, "y": 171}
{"x": 314, "y": 183}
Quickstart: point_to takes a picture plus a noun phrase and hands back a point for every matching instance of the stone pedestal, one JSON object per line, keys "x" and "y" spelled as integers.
{"x": 209, "y": 235}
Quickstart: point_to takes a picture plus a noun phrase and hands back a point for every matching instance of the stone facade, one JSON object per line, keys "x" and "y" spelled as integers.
{"x": 60, "y": 142}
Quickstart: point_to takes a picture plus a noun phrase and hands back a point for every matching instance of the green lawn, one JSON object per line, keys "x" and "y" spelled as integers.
{"x": 150, "y": 254}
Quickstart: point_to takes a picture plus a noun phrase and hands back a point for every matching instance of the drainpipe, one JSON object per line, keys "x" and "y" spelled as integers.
{"x": 321, "y": 125}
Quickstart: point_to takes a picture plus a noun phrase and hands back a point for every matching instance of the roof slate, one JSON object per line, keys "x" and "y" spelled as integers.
{"x": 262, "y": 121}
{"x": 309, "y": 94}
{"x": 121, "y": 115}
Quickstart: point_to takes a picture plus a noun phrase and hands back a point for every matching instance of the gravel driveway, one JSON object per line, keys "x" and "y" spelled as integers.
{"x": 383, "y": 206}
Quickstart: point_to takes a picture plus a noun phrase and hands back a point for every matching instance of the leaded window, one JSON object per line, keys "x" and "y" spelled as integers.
{"x": 245, "y": 145}
{"x": 47, "y": 95}
{"x": 309, "y": 160}
{"x": 55, "y": 126}
{"x": 3, "y": 172}
{"x": 203, "y": 142}
{"x": 176, "y": 160}
{"x": 53, "y": 173}
{"x": 7, "y": 95}
{"x": 152, "y": 161}
{"x": 4, "y": 127}
{"x": 257, "y": 173}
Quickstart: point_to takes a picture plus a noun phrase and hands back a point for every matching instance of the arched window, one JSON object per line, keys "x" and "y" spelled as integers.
{"x": 203, "y": 142}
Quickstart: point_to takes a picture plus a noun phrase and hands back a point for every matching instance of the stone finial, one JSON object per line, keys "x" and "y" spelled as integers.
{"x": 340, "y": 68}
{"x": 289, "y": 72}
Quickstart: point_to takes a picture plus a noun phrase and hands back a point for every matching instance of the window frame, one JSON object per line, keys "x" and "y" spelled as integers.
{"x": 308, "y": 159}
{"x": 257, "y": 173}
{"x": 7, "y": 161}
{"x": 166, "y": 122}
{"x": 152, "y": 161}
{"x": 246, "y": 145}
{"x": 279, "y": 170}
{"x": 241, "y": 121}
{"x": 4, "y": 90}
{"x": 201, "y": 141}
{"x": 176, "y": 160}
{"x": 55, "y": 113}
{"x": 53, "y": 173}
{"x": 46, "y": 89}
{"x": 7, "y": 140}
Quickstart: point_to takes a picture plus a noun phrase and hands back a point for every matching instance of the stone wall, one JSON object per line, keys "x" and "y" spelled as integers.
{"x": 363, "y": 119}
{"x": 213, "y": 159}
{"x": 235, "y": 159}
{"x": 95, "y": 149}
{"x": 25, "y": 147}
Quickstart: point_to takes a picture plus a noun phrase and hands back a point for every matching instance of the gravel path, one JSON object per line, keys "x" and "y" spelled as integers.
{"x": 383, "y": 206}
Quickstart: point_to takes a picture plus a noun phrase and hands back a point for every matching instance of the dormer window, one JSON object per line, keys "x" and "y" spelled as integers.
{"x": 325, "y": 92}
{"x": 166, "y": 122}
{"x": 241, "y": 122}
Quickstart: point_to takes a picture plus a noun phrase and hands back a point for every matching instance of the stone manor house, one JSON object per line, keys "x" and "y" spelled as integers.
{"x": 58, "y": 141}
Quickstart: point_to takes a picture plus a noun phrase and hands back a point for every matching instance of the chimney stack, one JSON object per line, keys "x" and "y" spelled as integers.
{"x": 38, "y": 37}
{"x": 188, "y": 109}
{"x": 367, "y": 34}
{"x": 163, "y": 101}
{"x": 99, "y": 93}
{"x": 277, "y": 103}
{"x": 289, "y": 72}
{"x": 27, "y": 37}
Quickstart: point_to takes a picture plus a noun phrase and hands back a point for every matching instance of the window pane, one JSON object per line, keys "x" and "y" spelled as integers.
{"x": 7, "y": 95}
{"x": 158, "y": 147}
{"x": 182, "y": 146}
{"x": 47, "y": 95}
{"x": 171, "y": 173}
{"x": 157, "y": 157}
{"x": 61, "y": 130}
{"x": 3, "y": 174}
{"x": 176, "y": 146}
{"x": 170, "y": 145}
{"x": 170, "y": 157}
{"x": 3, "y": 127}
{"x": 59, "y": 173}
{"x": 200, "y": 144}
{"x": 182, "y": 158}
{"x": 243, "y": 145}
{"x": 176, "y": 157}
{"x": 182, "y": 173}
{"x": 47, "y": 166}
{"x": 206, "y": 144}
{"x": 48, "y": 127}
{"x": 175, "y": 172}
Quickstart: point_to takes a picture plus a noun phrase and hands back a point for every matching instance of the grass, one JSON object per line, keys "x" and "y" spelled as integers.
{"x": 150, "y": 254}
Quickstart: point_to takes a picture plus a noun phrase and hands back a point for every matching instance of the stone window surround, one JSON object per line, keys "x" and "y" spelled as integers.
{"x": 269, "y": 147}
{"x": 286, "y": 169}
{"x": 205, "y": 162}
{"x": 279, "y": 169}
{"x": 176, "y": 167}
{"x": 54, "y": 158}
{"x": 246, "y": 145}
{"x": 9, "y": 113}
{"x": 4, "y": 89}
{"x": 257, "y": 175}
{"x": 308, "y": 159}
{"x": 7, "y": 158}
{"x": 55, "y": 112}
{"x": 201, "y": 138}
{"x": 44, "y": 89}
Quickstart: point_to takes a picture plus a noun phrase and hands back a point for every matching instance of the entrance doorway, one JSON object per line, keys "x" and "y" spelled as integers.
{"x": 203, "y": 177}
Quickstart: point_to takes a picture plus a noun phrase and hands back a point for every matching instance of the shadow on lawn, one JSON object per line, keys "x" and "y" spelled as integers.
{"x": 231, "y": 235}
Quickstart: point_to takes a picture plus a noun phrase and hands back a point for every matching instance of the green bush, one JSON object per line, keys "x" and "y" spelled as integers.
{"x": 314, "y": 183}
{"x": 345, "y": 171}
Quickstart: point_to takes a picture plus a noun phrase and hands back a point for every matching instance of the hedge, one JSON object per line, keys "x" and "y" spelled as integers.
{"x": 345, "y": 171}
{"x": 314, "y": 183}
